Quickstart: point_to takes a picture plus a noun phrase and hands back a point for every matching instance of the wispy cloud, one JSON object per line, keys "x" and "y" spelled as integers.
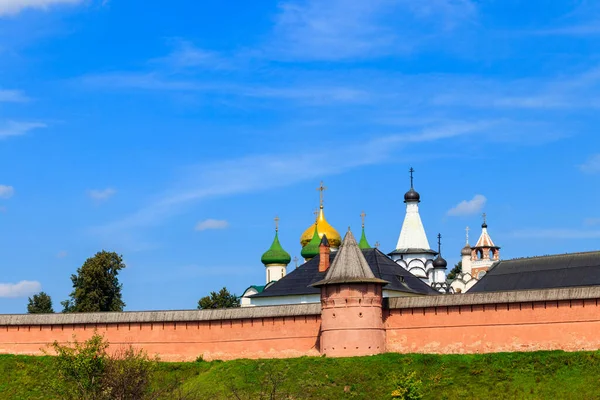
{"x": 259, "y": 172}
{"x": 592, "y": 165}
{"x": 6, "y": 192}
{"x": 209, "y": 224}
{"x": 14, "y": 128}
{"x": 345, "y": 29}
{"x": 12, "y": 7}
{"x": 468, "y": 207}
{"x": 186, "y": 55}
{"x": 62, "y": 254}
{"x": 12, "y": 96}
{"x": 101, "y": 194}
{"x": 20, "y": 289}
{"x": 557, "y": 234}
{"x": 591, "y": 221}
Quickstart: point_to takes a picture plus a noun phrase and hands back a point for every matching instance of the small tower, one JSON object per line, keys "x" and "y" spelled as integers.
{"x": 438, "y": 273}
{"x": 351, "y": 305}
{"x": 276, "y": 259}
{"x": 412, "y": 250}
{"x": 484, "y": 253}
{"x": 363, "y": 243}
{"x": 465, "y": 254}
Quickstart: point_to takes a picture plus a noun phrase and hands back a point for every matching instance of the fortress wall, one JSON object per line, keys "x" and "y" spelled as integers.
{"x": 253, "y": 332}
{"x": 552, "y": 319}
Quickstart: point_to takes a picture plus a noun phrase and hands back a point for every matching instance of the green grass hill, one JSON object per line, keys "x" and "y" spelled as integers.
{"x": 536, "y": 375}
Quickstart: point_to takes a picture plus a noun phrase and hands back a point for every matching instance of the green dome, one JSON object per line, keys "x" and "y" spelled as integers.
{"x": 276, "y": 254}
{"x": 363, "y": 244}
{"x": 312, "y": 248}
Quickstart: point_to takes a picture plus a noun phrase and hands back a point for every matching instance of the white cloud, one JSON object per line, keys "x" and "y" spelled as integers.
{"x": 14, "y": 128}
{"x": 592, "y": 165}
{"x": 12, "y": 7}
{"x": 101, "y": 194}
{"x": 21, "y": 289}
{"x": 557, "y": 234}
{"x": 6, "y": 192}
{"x": 211, "y": 224}
{"x": 186, "y": 55}
{"x": 12, "y": 96}
{"x": 468, "y": 207}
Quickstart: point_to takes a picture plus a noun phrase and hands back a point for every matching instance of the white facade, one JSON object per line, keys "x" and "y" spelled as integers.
{"x": 275, "y": 272}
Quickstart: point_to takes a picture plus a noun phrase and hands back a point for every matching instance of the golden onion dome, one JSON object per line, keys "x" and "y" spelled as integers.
{"x": 323, "y": 228}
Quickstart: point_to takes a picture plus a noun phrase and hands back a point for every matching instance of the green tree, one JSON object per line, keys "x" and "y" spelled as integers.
{"x": 223, "y": 299}
{"x": 455, "y": 271}
{"x": 40, "y": 303}
{"x": 96, "y": 286}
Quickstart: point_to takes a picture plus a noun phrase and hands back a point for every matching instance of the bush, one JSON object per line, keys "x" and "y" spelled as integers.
{"x": 86, "y": 371}
{"x": 408, "y": 387}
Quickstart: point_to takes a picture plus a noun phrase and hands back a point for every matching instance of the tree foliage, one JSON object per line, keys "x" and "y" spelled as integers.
{"x": 455, "y": 271}
{"x": 40, "y": 303}
{"x": 222, "y": 299}
{"x": 96, "y": 286}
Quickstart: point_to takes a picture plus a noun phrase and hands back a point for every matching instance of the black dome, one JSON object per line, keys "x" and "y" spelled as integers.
{"x": 412, "y": 195}
{"x": 439, "y": 262}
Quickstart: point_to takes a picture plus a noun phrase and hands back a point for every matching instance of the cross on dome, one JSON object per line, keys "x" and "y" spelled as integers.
{"x": 321, "y": 189}
{"x": 411, "y": 170}
{"x": 276, "y": 219}
{"x": 362, "y": 217}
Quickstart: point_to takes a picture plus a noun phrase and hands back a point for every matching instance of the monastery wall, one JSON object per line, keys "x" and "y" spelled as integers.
{"x": 254, "y": 332}
{"x": 551, "y": 319}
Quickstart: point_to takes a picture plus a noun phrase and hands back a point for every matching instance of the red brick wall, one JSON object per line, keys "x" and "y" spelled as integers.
{"x": 273, "y": 337}
{"x": 525, "y": 326}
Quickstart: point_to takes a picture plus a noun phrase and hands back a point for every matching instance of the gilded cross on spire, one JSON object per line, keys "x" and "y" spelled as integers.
{"x": 321, "y": 189}
{"x": 411, "y": 170}
{"x": 362, "y": 217}
{"x": 276, "y": 219}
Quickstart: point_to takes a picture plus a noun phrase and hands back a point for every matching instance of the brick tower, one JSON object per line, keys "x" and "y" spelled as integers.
{"x": 351, "y": 297}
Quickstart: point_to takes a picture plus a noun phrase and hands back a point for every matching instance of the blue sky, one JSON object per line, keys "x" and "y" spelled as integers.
{"x": 174, "y": 133}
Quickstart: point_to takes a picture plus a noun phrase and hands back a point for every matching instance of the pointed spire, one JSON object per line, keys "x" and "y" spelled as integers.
{"x": 349, "y": 266}
{"x": 363, "y": 243}
{"x": 485, "y": 241}
{"x": 276, "y": 254}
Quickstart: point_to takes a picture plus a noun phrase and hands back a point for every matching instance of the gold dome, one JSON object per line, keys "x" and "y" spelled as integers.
{"x": 323, "y": 228}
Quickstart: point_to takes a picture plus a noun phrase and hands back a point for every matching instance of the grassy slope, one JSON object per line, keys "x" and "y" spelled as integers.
{"x": 540, "y": 375}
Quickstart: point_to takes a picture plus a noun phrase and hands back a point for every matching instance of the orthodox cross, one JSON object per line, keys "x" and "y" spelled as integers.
{"x": 484, "y": 218}
{"x": 411, "y": 170}
{"x": 316, "y": 213}
{"x": 439, "y": 244}
{"x": 276, "y": 223}
{"x": 467, "y": 229}
{"x": 362, "y": 217}
{"x": 321, "y": 189}
{"x": 296, "y": 261}
{"x": 376, "y": 245}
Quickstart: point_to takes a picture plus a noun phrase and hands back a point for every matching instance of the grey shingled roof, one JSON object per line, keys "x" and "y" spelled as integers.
{"x": 555, "y": 271}
{"x": 349, "y": 266}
